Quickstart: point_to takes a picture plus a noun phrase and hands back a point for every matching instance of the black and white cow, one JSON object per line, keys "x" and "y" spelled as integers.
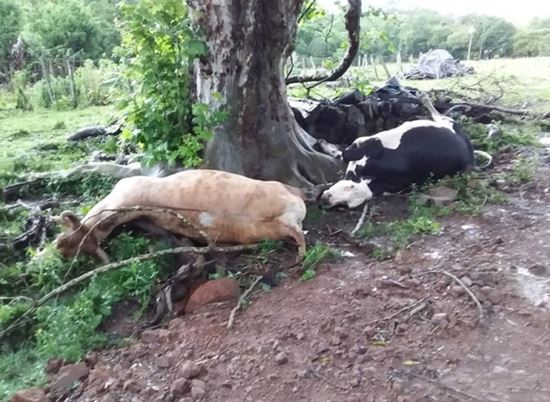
{"x": 393, "y": 160}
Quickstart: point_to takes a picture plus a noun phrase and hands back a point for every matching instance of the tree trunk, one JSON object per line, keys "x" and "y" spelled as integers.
{"x": 247, "y": 42}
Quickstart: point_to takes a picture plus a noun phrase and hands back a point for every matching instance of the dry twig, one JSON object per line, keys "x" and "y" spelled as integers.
{"x": 361, "y": 221}
{"x": 466, "y": 288}
{"x": 241, "y": 301}
{"x": 406, "y": 308}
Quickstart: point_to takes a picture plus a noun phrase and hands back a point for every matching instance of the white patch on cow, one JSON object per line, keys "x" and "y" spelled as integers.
{"x": 348, "y": 193}
{"x": 206, "y": 220}
{"x": 391, "y": 139}
{"x": 354, "y": 164}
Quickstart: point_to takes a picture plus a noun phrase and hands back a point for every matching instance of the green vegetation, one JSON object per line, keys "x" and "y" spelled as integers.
{"x": 313, "y": 257}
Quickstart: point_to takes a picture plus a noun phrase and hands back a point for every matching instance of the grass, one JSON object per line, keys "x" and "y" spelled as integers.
{"x": 25, "y": 135}
{"x": 313, "y": 257}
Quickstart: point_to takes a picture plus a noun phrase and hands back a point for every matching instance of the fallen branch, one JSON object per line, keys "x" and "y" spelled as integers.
{"x": 466, "y": 288}
{"x": 115, "y": 265}
{"x": 352, "y": 17}
{"x": 241, "y": 301}
{"x": 361, "y": 221}
{"x": 406, "y": 308}
{"x": 517, "y": 112}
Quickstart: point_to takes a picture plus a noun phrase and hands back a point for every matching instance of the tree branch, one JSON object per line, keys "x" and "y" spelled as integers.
{"x": 115, "y": 265}
{"x": 353, "y": 26}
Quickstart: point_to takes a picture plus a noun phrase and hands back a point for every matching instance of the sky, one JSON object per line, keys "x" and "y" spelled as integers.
{"x": 517, "y": 12}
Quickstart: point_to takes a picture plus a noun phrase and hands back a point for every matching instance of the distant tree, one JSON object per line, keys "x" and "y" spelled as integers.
{"x": 493, "y": 36}
{"x": 10, "y": 27}
{"x": 379, "y": 34}
{"x": 533, "y": 40}
{"x": 71, "y": 25}
{"x": 423, "y": 30}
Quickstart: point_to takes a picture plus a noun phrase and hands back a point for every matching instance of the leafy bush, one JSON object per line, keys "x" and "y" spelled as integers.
{"x": 159, "y": 47}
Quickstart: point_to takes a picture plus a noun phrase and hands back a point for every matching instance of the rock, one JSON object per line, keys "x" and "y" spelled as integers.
{"x": 458, "y": 290}
{"x": 281, "y": 358}
{"x": 493, "y": 295}
{"x": 198, "y": 388}
{"x": 358, "y": 350}
{"x": 156, "y": 335}
{"x": 466, "y": 281}
{"x": 539, "y": 270}
{"x": 440, "y": 319}
{"x": 302, "y": 373}
{"x": 53, "y": 366}
{"x": 335, "y": 340}
{"x": 91, "y": 358}
{"x": 189, "y": 370}
{"x": 180, "y": 387}
{"x": 442, "y": 195}
{"x": 131, "y": 386}
{"x": 29, "y": 395}
{"x": 217, "y": 290}
{"x": 66, "y": 378}
{"x": 340, "y": 332}
{"x": 162, "y": 362}
{"x": 369, "y": 331}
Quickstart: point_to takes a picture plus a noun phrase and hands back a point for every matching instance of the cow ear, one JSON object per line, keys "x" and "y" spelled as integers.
{"x": 68, "y": 219}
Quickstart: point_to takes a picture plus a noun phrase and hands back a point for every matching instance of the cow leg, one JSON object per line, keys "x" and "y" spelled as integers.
{"x": 298, "y": 236}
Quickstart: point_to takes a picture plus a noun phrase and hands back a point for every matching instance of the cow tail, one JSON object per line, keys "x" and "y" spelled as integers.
{"x": 485, "y": 155}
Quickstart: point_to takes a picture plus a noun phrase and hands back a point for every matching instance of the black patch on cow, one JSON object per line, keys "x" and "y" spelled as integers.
{"x": 424, "y": 153}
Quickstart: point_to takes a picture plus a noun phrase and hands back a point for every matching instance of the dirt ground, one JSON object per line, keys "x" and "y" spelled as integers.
{"x": 368, "y": 330}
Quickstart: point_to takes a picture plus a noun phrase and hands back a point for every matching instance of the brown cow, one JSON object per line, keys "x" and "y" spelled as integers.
{"x": 229, "y": 208}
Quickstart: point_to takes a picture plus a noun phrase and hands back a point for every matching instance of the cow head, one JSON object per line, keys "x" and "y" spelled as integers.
{"x": 348, "y": 193}
{"x": 69, "y": 242}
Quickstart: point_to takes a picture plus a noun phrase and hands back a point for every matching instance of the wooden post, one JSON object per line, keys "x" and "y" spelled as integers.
{"x": 373, "y": 63}
{"x": 46, "y": 76}
{"x": 398, "y": 62}
{"x": 71, "y": 81}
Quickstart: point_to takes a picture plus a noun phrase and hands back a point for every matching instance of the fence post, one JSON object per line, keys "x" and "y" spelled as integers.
{"x": 71, "y": 82}
{"x": 46, "y": 76}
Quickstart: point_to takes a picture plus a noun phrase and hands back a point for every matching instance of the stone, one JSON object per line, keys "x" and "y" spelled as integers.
{"x": 281, "y": 358}
{"x": 66, "y": 378}
{"x": 91, "y": 358}
{"x": 162, "y": 362}
{"x": 466, "y": 281}
{"x": 539, "y": 270}
{"x": 214, "y": 291}
{"x": 131, "y": 386}
{"x": 189, "y": 370}
{"x": 198, "y": 388}
{"x": 369, "y": 331}
{"x": 53, "y": 366}
{"x": 156, "y": 335}
{"x": 29, "y": 395}
{"x": 335, "y": 340}
{"x": 440, "y": 319}
{"x": 180, "y": 387}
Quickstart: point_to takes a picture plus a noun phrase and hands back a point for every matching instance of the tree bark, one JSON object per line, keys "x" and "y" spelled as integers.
{"x": 247, "y": 41}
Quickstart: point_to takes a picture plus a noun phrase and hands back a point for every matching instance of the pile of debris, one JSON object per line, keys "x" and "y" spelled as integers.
{"x": 354, "y": 115}
{"x": 437, "y": 63}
